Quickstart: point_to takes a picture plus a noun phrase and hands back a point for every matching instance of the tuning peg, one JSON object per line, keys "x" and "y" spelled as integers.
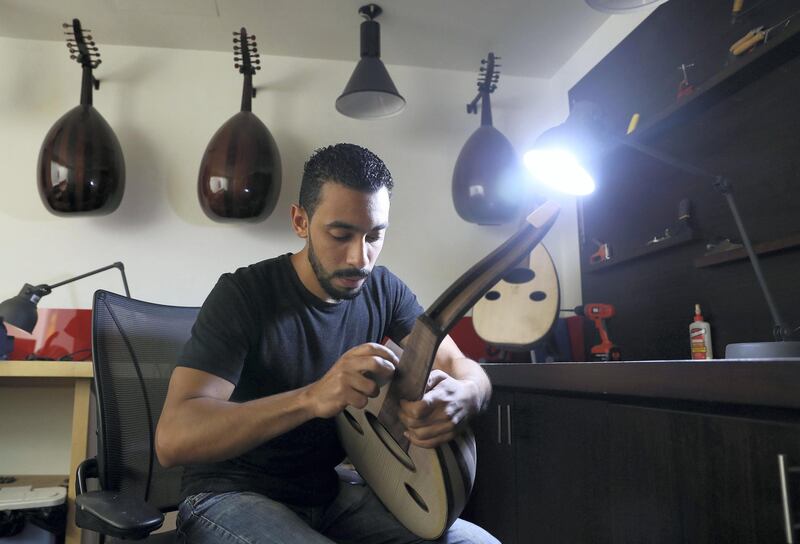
{"x": 483, "y": 61}
{"x": 258, "y": 67}
{"x": 73, "y": 57}
{"x": 236, "y": 66}
{"x": 254, "y": 50}
{"x": 256, "y": 61}
{"x": 251, "y": 37}
{"x": 237, "y": 48}
{"x": 497, "y": 58}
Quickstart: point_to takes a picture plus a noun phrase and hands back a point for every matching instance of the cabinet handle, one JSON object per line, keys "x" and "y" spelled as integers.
{"x": 508, "y": 422}
{"x": 499, "y": 425}
{"x": 785, "y": 499}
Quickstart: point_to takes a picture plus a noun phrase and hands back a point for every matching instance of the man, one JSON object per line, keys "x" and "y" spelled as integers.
{"x": 282, "y": 346}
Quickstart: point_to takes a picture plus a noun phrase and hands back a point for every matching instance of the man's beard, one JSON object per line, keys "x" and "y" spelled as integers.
{"x": 324, "y": 277}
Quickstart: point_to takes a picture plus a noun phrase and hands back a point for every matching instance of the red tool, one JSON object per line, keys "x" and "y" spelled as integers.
{"x": 598, "y": 312}
{"x": 602, "y": 254}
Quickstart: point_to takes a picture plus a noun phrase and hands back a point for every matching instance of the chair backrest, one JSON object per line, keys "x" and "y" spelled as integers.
{"x": 135, "y": 346}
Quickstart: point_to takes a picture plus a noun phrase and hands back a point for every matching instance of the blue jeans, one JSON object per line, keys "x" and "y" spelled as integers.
{"x": 356, "y": 516}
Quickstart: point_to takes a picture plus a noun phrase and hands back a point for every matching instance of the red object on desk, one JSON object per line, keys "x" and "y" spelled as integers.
{"x": 58, "y": 332}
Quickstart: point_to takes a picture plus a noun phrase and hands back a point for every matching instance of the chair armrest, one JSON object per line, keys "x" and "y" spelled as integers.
{"x": 87, "y": 469}
{"x": 116, "y": 515}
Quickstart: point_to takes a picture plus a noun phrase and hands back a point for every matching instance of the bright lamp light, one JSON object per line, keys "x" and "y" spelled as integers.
{"x": 559, "y": 170}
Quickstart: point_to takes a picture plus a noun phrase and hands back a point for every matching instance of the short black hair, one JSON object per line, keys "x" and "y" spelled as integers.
{"x": 348, "y": 164}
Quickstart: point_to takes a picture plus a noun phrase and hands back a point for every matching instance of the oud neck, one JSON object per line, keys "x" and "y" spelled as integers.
{"x": 87, "y": 83}
{"x": 247, "y": 92}
{"x": 486, "y": 109}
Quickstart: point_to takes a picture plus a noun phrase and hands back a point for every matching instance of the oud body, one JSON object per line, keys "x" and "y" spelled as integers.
{"x": 427, "y": 488}
{"x": 81, "y": 169}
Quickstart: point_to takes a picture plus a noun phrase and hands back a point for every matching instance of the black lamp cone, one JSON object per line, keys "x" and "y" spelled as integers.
{"x": 20, "y": 310}
{"x": 370, "y": 93}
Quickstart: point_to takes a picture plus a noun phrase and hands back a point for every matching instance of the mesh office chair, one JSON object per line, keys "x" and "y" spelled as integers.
{"x": 135, "y": 346}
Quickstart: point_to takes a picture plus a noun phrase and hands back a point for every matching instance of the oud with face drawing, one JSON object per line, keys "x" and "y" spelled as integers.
{"x": 282, "y": 347}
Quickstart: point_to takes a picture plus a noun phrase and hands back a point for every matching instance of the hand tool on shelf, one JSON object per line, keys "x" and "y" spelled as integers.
{"x": 602, "y": 254}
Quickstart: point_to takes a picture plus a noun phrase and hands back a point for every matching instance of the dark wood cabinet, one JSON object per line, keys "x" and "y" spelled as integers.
{"x": 561, "y": 469}
{"x": 555, "y": 468}
{"x": 680, "y": 477}
{"x": 493, "y": 504}
{"x": 541, "y": 463}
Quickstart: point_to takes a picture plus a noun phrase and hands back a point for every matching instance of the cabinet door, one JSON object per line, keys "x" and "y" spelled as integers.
{"x": 493, "y": 501}
{"x": 680, "y": 477}
{"x": 773, "y": 510}
{"x": 562, "y": 456}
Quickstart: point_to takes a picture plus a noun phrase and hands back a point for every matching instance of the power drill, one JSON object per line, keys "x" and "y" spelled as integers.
{"x": 597, "y": 312}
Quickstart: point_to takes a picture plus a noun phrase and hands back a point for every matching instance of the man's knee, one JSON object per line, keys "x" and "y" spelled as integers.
{"x": 464, "y": 532}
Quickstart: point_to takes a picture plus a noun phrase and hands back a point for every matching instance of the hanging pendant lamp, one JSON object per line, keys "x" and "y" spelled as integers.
{"x": 81, "y": 170}
{"x": 487, "y": 175}
{"x": 370, "y": 93}
{"x": 240, "y": 174}
{"x": 619, "y": 6}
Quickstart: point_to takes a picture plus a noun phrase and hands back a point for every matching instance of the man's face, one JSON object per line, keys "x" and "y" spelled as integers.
{"x": 345, "y": 237}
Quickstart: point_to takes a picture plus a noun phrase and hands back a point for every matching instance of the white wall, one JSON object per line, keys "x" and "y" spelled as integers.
{"x": 164, "y": 105}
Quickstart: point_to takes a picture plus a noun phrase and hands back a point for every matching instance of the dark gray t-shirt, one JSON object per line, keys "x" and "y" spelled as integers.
{"x": 263, "y": 331}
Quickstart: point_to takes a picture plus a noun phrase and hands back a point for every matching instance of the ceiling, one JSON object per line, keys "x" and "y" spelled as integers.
{"x": 534, "y": 37}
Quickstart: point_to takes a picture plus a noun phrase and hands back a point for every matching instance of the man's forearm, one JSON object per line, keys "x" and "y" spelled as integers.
{"x": 465, "y": 369}
{"x": 204, "y": 430}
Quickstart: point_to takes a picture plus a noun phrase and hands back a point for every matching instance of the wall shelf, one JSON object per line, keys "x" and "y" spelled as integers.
{"x": 739, "y": 254}
{"x": 783, "y": 45}
{"x": 678, "y": 240}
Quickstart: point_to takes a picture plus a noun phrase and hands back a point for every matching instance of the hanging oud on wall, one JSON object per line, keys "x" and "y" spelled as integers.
{"x": 426, "y": 488}
{"x": 486, "y": 177}
{"x": 240, "y": 174}
{"x": 81, "y": 169}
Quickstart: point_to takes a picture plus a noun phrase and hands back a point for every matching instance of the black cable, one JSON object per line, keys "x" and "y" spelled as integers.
{"x": 68, "y": 356}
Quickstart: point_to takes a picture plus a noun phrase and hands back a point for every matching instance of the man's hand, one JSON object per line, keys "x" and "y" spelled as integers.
{"x": 352, "y": 380}
{"x": 439, "y": 415}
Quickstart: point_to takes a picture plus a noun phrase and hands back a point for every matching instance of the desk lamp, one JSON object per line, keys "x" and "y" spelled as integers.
{"x": 560, "y": 157}
{"x": 20, "y": 310}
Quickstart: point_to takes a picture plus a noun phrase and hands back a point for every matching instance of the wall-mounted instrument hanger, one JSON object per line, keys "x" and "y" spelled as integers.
{"x": 487, "y": 177}
{"x": 81, "y": 169}
{"x": 240, "y": 174}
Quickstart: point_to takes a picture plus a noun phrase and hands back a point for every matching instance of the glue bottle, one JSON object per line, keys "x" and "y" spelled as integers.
{"x": 700, "y": 336}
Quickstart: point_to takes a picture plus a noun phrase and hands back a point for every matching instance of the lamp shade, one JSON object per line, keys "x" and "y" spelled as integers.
{"x": 20, "y": 310}
{"x": 619, "y": 6}
{"x": 370, "y": 93}
{"x": 564, "y": 157}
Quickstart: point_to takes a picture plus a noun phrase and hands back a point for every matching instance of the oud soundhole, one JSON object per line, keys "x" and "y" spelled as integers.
{"x": 390, "y": 443}
{"x": 353, "y": 423}
{"x": 417, "y": 498}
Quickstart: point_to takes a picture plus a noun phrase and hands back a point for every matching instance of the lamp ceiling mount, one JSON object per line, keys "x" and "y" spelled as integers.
{"x": 370, "y": 11}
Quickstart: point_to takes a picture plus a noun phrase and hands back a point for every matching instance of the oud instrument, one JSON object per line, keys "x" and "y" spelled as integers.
{"x": 240, "y": 173}
{"x": 81, "y": 169}
{"x": 427, "y": 488}
{"x": 486, "y": 177}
